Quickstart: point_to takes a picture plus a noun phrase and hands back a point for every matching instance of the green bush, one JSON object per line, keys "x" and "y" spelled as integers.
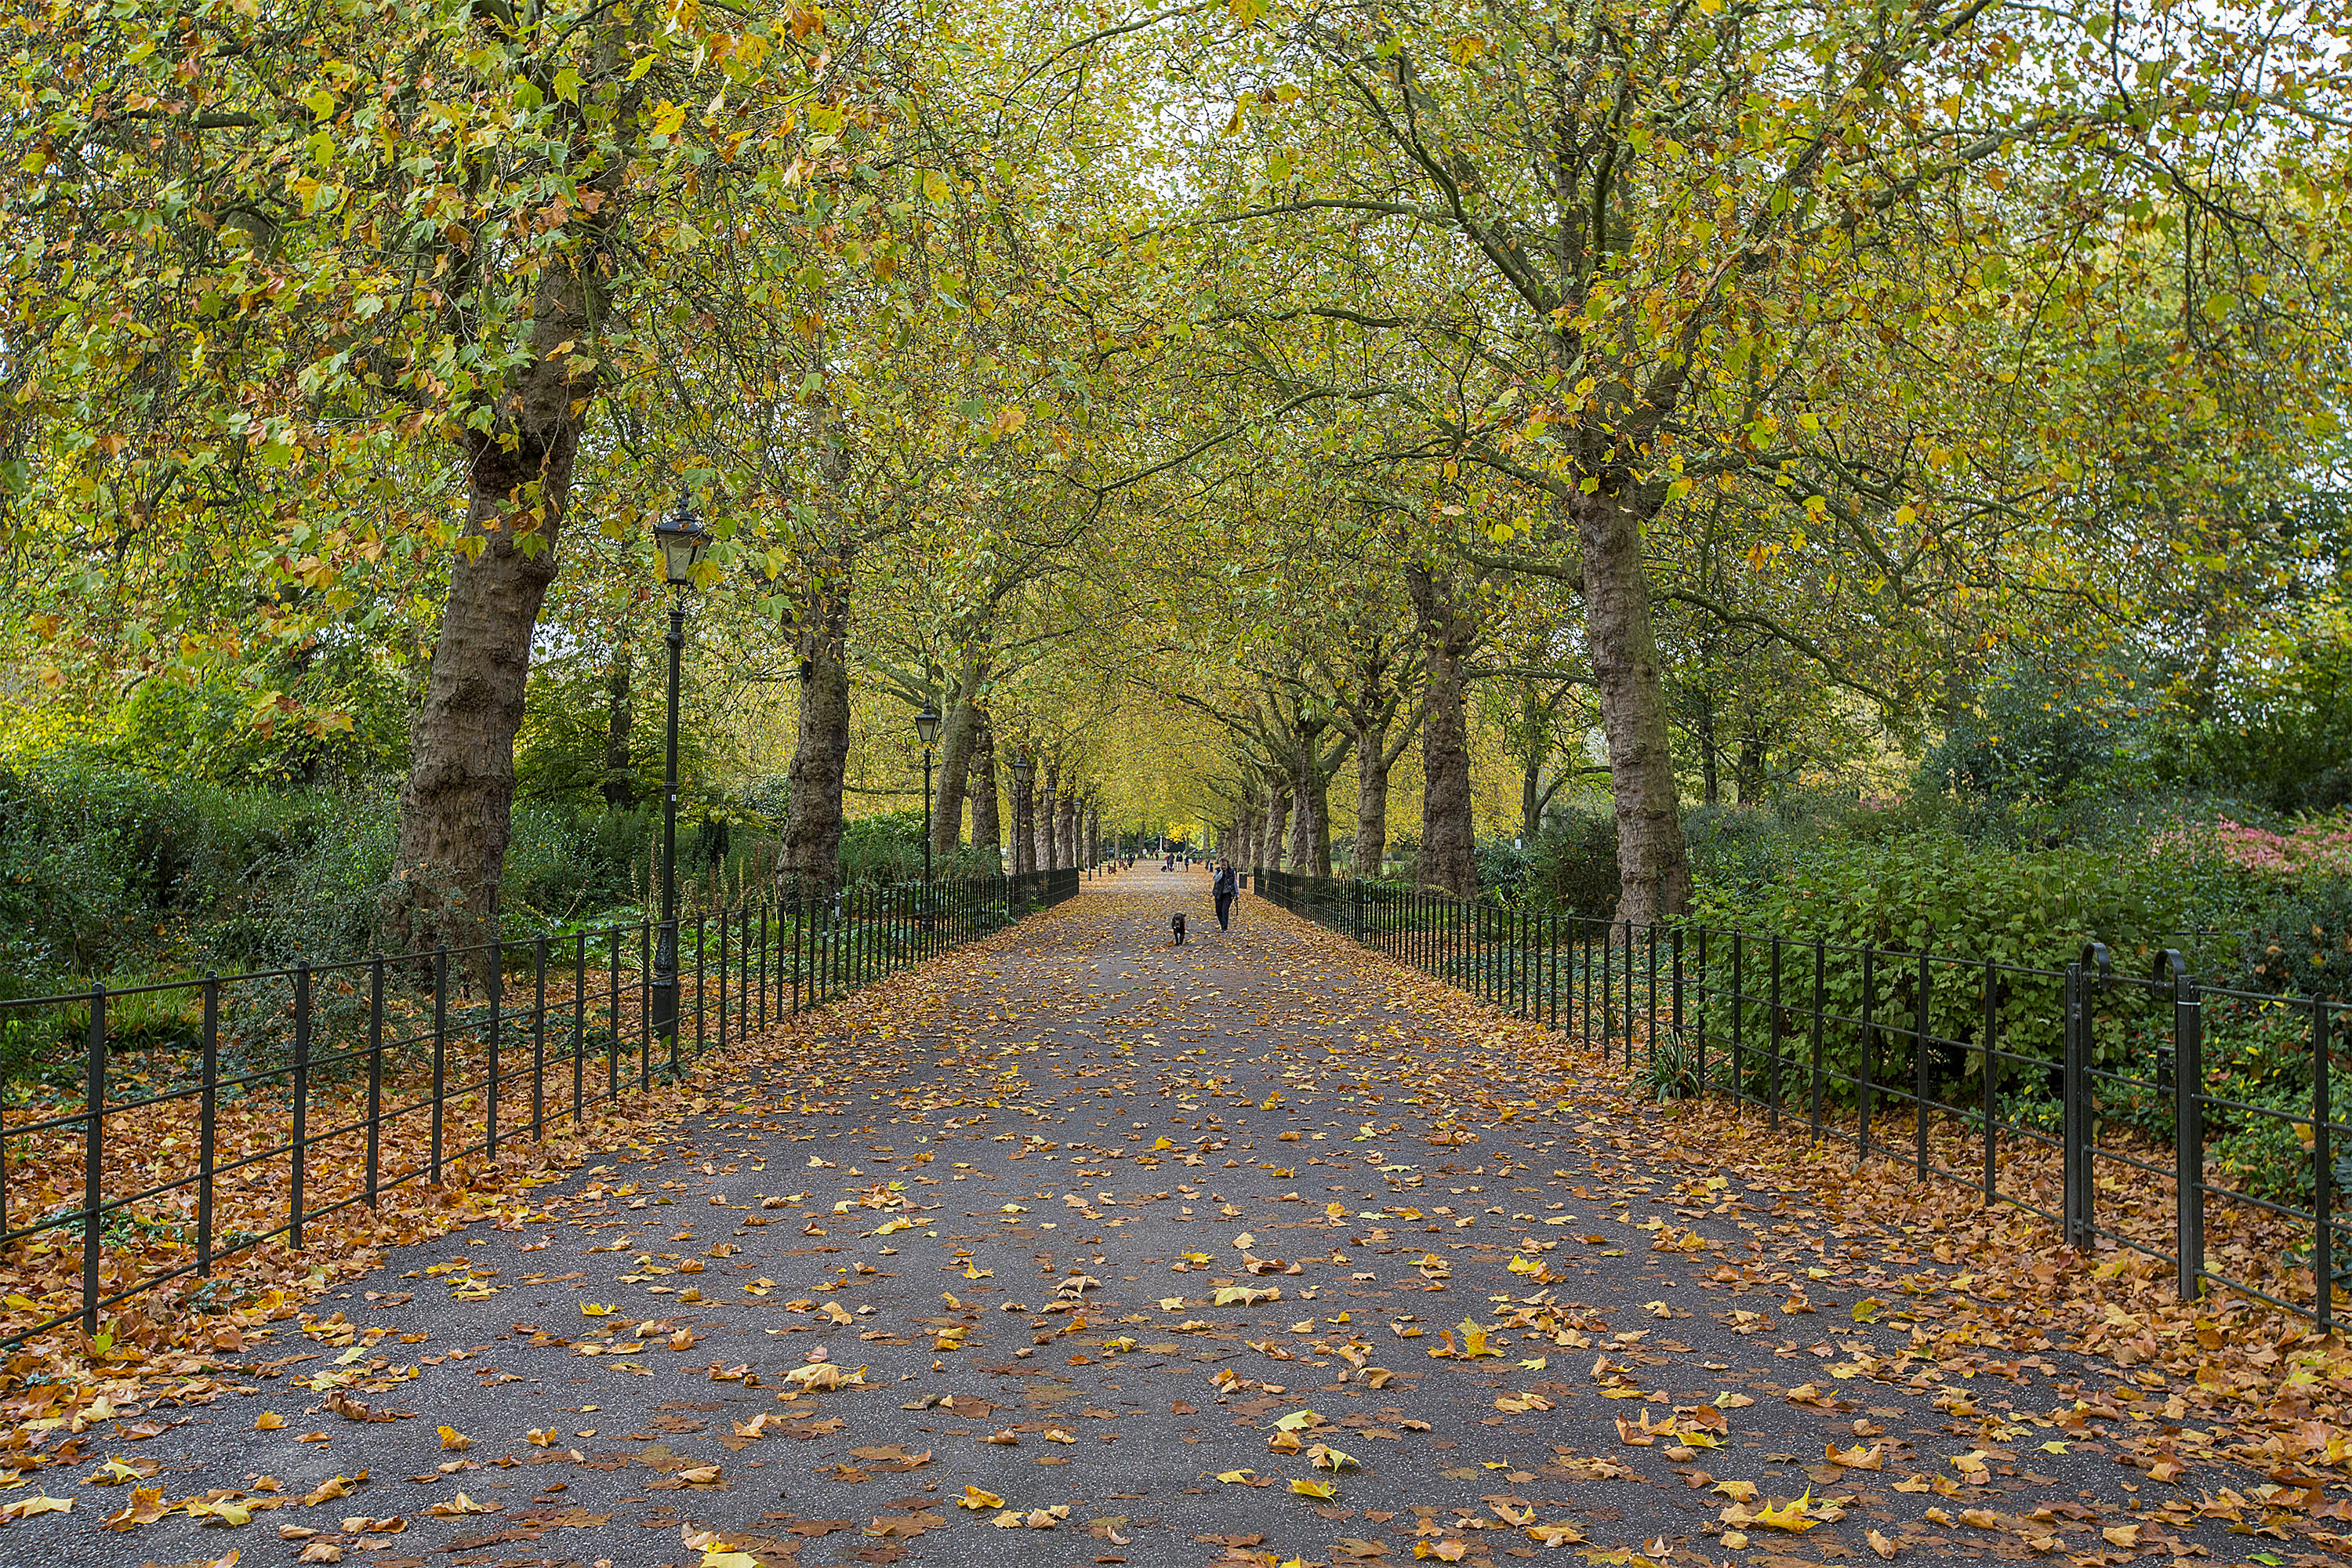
{"x": 1934, "y": 893}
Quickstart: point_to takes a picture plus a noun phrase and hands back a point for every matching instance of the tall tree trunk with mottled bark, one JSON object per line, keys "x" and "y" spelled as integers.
{"x": 1653, "y": 861}
{"x": 987, "y": 831}
{"x": 1448, "y": 632}
{"x": 958, "y": 728}
{"x": 813, "y": 812}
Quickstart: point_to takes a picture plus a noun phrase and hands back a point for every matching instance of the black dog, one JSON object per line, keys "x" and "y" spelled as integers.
{"x": 1177, "y": 925}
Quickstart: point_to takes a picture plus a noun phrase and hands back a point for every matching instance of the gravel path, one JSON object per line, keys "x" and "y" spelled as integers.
{"x": 1092, "y": 1222}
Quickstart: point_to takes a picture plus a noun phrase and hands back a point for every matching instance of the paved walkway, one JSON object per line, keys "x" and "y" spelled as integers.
{"x": 1145, "y": 1252}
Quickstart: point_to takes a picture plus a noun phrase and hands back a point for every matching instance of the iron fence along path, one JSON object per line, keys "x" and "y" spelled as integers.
{"x": 2091, "y": 1095}
{"x": 305, "y": 1085}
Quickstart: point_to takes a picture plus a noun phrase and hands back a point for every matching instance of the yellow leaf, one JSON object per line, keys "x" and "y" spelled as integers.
{"x": 974, "y": 1497}
{"x": 541, "y": 1436}
{"x": 268, "y": 1421}
{"x": 668, "y": 117}
{"x": 1299, "y": 1420}
{"x": 2122, "y": 1535}
{"x": 1236, "y": 1478}
{"x": 1789, "y": 1516}
{"x": 1159, "y": 1143}
{"x": 1555, "y": 1534}
{"x": 453, "y": 1440}
{"x": 712, "y": 1557}
{"x": 1880, "y": 1544}
{"x": 1474, "y": 1342}
{"x": 594, "y": 1310}
{"x": 41, "y": 1502}
{"x": 1737, "y": 1492}
{"x": 1312, "y": 1489}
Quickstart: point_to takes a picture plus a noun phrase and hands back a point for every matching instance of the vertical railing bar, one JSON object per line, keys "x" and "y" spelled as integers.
{"x": 93, "y": 1187}
{"x": 440, "y": 1050}
{"x": 207, "y": 1101}
{"x": 298, "y": 1148}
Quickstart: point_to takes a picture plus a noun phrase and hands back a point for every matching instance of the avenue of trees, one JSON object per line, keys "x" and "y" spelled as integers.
{"x": 1346, "y": 426}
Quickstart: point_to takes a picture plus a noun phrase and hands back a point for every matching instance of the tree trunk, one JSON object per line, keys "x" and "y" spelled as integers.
{"x": 1709, "y": 754}
{"x": 620, "y": 777}
{"x": 956, "y": 729}
{"x": 1371, "y": 799}
{"x": 987, "y": 831}
{"x": 1069, "y": 848}
{"x": 457, "y": 801}
{"x": 1748, "y": 772}
{"x": 1277, "y": 817}
{"x": 456, "y": 804}
{"x": 1302, "y": 815}
{"x": 813, "y": 817}
{"x": 1048, "y": 802}
{"x": 1448, "y": 844}
{"x": 1652, "y": 862}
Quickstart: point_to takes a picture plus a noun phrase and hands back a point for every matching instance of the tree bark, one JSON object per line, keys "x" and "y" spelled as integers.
{"x": 956, "y": 729}
{"x": 1278, "y": 816}
{"x": 1371, "y": 798}
{"x": 1748, "y": 772}
{"x": 457, "y": 802}
{"x": 1653, "y": 861}
{"x": 620, "y": 776}
{"x": 1448, "y": 844}
{"x": 812, "y": 815}
{"x": 987, "y": 831}
{"x": 1048, "y": 802}
{"x": 1709, "y": 754}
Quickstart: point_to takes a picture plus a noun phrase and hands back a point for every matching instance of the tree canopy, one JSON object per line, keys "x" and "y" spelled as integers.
{"x": 1338, "y": 428}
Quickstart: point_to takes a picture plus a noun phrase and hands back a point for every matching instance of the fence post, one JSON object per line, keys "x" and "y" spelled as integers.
{"x": 2189, "y": 1134}
{"x": 375, "y": 1076}
{"x": 1738, "y": 1022}
{"x": 440, "y": 1048}
{"x": 2078, "y": 1117}
{"x": 701, "y": 924}
{"x": 93, "y": 1187}
{"x": 1866, "y": 1067}
{"x": 539, "y": 1040}
{"x": 1629, "y": 994}
{"x": 1772, "y": 1041}
{"x": 497, "y": 988}
{"x": 2322, "y": 1174}
{"x": 579, "y": 1024}
{"x": 298, "y": 1148}
{"x": 1919, "y": 1063}
{"x": 1821, "y": 975}
{"x": 1990, "y": 1066}
{"x": 207, "y": 1098}
{"x": 1701, "y": 998}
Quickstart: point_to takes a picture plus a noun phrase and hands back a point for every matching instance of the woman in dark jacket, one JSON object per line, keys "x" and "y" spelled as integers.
{"x": 1222, "y": 889}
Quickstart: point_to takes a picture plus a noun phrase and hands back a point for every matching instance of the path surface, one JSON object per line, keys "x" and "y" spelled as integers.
{"x": 1095, "y": 1216}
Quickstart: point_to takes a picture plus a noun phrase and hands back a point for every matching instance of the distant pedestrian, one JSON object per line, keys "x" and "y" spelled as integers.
{"x": 1222, "y": 888}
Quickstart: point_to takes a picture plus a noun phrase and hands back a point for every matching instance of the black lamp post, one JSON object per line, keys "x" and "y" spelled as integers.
{"x": 1022, "y": 770}
{"x": 683, "y": 541}
{"x": 926, "y": 730}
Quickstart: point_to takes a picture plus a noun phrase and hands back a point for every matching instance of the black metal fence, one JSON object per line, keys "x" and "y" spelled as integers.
{"x": 169, "y": 1126}
{"x": 2206, "y": 1127}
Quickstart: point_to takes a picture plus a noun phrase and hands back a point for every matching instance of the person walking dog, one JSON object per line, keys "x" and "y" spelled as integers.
{"x": 1221, "y": 888}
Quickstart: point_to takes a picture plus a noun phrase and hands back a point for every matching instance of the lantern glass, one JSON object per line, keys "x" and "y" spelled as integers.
{"x": 1020, "y": 770}
{"x": 684, "y": 542}
{"x": 926, "y": 725}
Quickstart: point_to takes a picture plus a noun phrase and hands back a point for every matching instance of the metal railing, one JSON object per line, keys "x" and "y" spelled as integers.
{"x": 2203, "y": 1127}
{"x": 173, "y": 1125}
